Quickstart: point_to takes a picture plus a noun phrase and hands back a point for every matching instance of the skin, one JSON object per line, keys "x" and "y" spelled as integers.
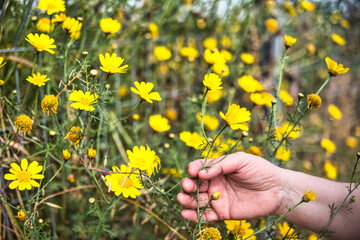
{"x": 251, "y": 187}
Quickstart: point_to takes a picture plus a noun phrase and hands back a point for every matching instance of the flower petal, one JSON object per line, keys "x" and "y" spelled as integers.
{"x": 14, "y": 184}
{"x": 24, "y": 164}
{"x": 15, "y": 167}
{"x": 9, "y": 176}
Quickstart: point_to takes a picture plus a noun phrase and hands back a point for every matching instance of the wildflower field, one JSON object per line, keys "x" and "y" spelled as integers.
{"x": 103, "y": 104}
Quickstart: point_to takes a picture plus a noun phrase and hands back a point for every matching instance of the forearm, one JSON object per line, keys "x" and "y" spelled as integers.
{"x": 314, "y": 215}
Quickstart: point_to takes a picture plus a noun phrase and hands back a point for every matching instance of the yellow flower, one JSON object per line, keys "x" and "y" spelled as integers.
{"x": 241, "y": 229}
{"x": 21, "y": 215}
{"x": 209, "y": 121}
{"x": 226, "y": 42}
{"x": 50, "y": 102}
{"x": 22, "y": 177}
{"x": 171, "y": 114}
{"x": 271, "y": 25}
{"x": 83, "y": 100}
{"x": 309, "y": 196}
{"x": 1, "y": 83}
{"x": 136, "y": 116}
{"x": 43, "y": 25}
{"x": 162, "y": 53}
{"x": 123, "y": 91}
{"x": 330, "y": 170}
{"x": 334, "y": 111}
{"x": 285, "y": 128}
{"x": 351, "y": 141}
{"x": 143, "y": 159}
{"x": 213, "y": 96}
{"x": 221, "y": 69}
{"x": 212, "y": 81}
{"x": 200, "y": 23}
{"x": 37, "y": 79}
{"x": 66, "y": 155}
{"x": 41, "y": 43}
{"x": 193, "y": 140}
{"x": 74, "y": 136}
{"x": 285, "y": 230}
{"x": 153, "y": 28}
{"x": 91, "y": 153}
{"x": 338, "y": 40}
{"x": 72, "y": 27}
{"x": 283, "y": 154}
{"x": 1, "y": 62}
{"x": 59, "y": 18}
{"x": 345, "y": 23}
{"x": 328, "y": 145}
{"x": 52, "y": 6}
{"x": 334, "y": 68}
{"x": 215, "y": 196}
{"x": 144, "y": 91}
{"x": 210, "y": 43}
{"x": 111, "y": 64}
{"x": 236, "y": 117}
{"x": 23, "y": 122}
{"x": 159, "y": 123}
{"x": 227, "y": 55}
{"x": 247, "y": 58}
{"x": 311, "y": 49}
{"x": 289, "y": 41}
{"x": 249, "y": 84}
{"x": 254, "y": 151}
{"x": 308, "y": 6}
{"x": 286, "y": 98}
{"x": 313, "y": 101}
{"x": 209, "y": 233}
{"x": 289, "y": 8}
{"x": 262, "y": 98}
{"x": 312, "y": 237}
{"x": 124, "y": 181}
{"x": 189, "y": 52}
{"x": 212, "y": 57}
{"x": 109, "y": 25}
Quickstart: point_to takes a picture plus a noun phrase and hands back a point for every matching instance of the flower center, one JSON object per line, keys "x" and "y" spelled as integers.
{"x": 239, "y": 231}
{"x": 125, "y": 182}
{"x": 24, "y": 176}
{"x": 51, "y": 6}
{"x": 85, "y": 101}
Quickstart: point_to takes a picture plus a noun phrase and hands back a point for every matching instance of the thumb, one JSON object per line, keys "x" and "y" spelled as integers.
{"x": 223, "y": 166}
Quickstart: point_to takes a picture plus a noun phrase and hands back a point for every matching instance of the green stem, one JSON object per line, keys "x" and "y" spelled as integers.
{"x": 203, "y": 110}
{"x": 212, "y": 144}
{"x": 99, "y": 187}
{"x": 132, "y": 111}
{"x": 36, "y": 100}
{"x": 276, "y": 221}
{"x": 198, "y": 225}
{"x": 323, "y": 85}
{"x": 34, "y": 64}
{"x": 277, "y": 93}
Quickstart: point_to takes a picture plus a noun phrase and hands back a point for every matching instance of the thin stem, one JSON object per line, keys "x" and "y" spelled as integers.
{"x": 198, "y": 225}
{"x": 212, "y": 144}
{"x": 323, "y": 85}
{"x": 281, "y": 74}
{"x": 132, "y": 111}
{"x": 203, "y": 110}
{"x": 36, "y": 101}
{"x": 34, "y": 64}
{"x": 99, "y": 187}
{"x": 276, "y": 221}
{"x": 354, "y": 170}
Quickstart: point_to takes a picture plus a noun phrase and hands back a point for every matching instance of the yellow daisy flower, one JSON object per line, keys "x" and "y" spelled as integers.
{"x": 74, "y": 136}
{"x": 189, "y": 52}
{"x": 162, "y": 53}
{"x": 308, "y": 6}
{"x": 289, "y": 41}
{"x": 22, "y": 177}
{"x": 43, "y": 25}
{"x": 249, "y": 84}
{"x": 171, "y": 114}
{"x": 124, "y": 181}
{"x": 330, "y": 170}
{"x": 213, "y": 96}
{"x": 66, "y": 155}
{"x": 210, "y": 122}
{"x": 144, "y": 91}
{"x": 212, "y": 57}
{"x": 334, "y": 68}
{"x": 334, "y": 111}
{"x": 91, "y": 153}
{"x": 212, "y": 81}
{"x": 23, "y": 122}
{"x": 313, "y": 101}
{"x": 83, "y": 100}
{"x": 210, "y": 43}
{"x": 52, "y": 6}
{"x": 209, "y": 233}
{"x": 236, "y": 117}
{"x": 111, "y": 64}
{"x": 221, "y": 69}
{"x": 271, "y": 25}
{"x": 50, "y": 102}
{"x": 59, "y": 18}
{"x": 2, "y": 63}
{"x": 254, "y": 150}
{"x": 286, "y": 97}
{"x": 328, "y": 145}
{"x": 193, "y": 140}
{"x": 41, "y": 43}
{"x": 37, "y": 79}
{"x": 309, "y": 196}
{"x": 21, "y": 215}
{"x": 241, "y": 229}
{"x": 109, "y": 25}
{"x": 283, "y": 154}
{"x": 338, "y": 40}
{"x": 154, "y": 30}
{"x": 247, "y": 58}
{"x": 263, "y": 98}
{"x": 72, "y": 27}
{"x": 143, "y": 159}
{"x": 227, "y": 55}
{"x": 159, "y": 123}
{"x": 351, "y": 141}
{"x": 285, "y": 230}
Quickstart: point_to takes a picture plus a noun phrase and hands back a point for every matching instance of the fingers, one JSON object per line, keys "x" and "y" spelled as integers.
{"x": 190, "y": 185}
{"x": 194, "y": 167}
{"x": 191, "y": 215}
{"x": 190, "y": 202}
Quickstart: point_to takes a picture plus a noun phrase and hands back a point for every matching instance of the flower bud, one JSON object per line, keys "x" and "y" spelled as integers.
{"x": 215, "y": 196}
{"x": 1, "y": 83}
{"x": 85, "y": 53}
{"x": 94, "y": 72}
{"x": 52, "y": 133}
{"x": 300, "y": 95}
{"x": 66, "y": 155}
{"x": 91, "y": 200}
{"x": 91, "y": 153}
{"x": 21, "y": 215}
{"x": 245, "y": 133}
{"x": 171, "y": 135}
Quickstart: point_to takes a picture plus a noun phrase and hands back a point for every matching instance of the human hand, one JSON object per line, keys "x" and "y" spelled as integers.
{"x": 249, "y": 188}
